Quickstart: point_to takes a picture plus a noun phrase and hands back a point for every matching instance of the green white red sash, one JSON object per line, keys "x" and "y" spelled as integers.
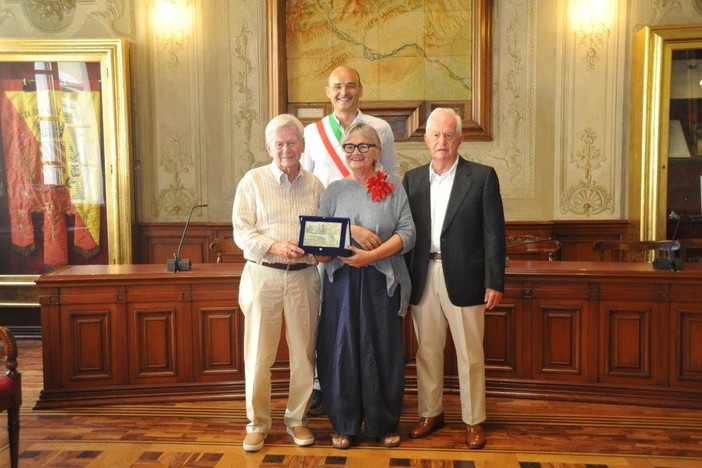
{"x": 328, "y": 144}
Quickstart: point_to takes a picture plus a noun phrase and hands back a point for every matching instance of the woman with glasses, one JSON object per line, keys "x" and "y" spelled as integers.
{"x": 360, "y": 358}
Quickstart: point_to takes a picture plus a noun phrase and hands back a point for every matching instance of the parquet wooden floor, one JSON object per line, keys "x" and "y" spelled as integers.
{"x": 521, "y": 433}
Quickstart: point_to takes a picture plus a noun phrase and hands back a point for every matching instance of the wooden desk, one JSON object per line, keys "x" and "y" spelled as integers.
{"x": 587, "y": 331}
{"x": 598, "y": 331}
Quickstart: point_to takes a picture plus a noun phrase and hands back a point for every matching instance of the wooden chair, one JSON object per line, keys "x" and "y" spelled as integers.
{"x": 527, "y": 246}
{"x": 225, "y": 246}
{"x": 691, "y": 250}
{"x": 633, "y": 251}
{"x": 11, "y": 393}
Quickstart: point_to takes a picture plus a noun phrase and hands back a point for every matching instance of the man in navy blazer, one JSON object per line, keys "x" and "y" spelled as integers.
{"x": 457, "y": 269}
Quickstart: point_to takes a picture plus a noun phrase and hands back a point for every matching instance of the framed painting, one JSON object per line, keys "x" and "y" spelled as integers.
{"x": 411, "y": 60}
{"x": 65, "y": 158}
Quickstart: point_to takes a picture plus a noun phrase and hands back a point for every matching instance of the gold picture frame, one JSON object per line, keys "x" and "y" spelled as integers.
{"x": 109, "y": 58}
{"x": 652, "y": 57}
{"x": 407, "y": 118}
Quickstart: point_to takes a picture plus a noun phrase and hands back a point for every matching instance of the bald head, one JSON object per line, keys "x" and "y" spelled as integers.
{"x": 344, "y": 91}
{"x": 345, "y": 74}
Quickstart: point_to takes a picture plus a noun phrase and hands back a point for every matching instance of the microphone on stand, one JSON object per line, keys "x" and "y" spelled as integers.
{"x": 669, "y": 262}
{"x": 176, "y": 263}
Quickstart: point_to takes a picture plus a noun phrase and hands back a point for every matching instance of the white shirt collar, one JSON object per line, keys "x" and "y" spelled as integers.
{"x": 451, "y": 172}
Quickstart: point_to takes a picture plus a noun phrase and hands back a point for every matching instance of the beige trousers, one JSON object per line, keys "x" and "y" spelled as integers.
{"x": 268, "y": 298}
{"x": 432, "y": 316}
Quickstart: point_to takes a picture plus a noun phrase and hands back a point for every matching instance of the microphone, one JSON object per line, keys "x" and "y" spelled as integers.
{"x": 669, "y": 262}
{"x": 176, "y": 263}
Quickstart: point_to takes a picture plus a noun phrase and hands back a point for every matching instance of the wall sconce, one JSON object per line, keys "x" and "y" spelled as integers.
{"x": 590, "y": 21}
{"x": 172, "y": 19}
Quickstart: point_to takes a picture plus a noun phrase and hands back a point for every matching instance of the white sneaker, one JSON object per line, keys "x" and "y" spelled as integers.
{"x": 301, "y": 435}
{"x": 253, "y": 442}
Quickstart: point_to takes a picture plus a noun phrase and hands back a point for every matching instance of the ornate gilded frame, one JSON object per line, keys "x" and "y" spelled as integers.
{"x": 476, "y": 109}
{"x": 651, "y": 70}
{"x": 112, "y": 56}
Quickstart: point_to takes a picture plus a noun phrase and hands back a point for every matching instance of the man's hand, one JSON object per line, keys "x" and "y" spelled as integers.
{"x": 287, "y": 249}
{"x": 367, "y": 239}
{"x": 492, "y": 298}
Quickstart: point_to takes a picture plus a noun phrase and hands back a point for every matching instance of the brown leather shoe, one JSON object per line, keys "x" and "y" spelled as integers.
{"x": 425, "y": 426}
{"x": 475, "y": 436}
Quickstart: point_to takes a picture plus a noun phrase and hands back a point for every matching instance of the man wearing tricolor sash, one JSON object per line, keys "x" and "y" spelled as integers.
{"x": 323, "y": 155}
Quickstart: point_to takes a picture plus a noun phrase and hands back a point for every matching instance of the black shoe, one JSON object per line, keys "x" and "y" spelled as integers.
{"x": 316, "y": 408}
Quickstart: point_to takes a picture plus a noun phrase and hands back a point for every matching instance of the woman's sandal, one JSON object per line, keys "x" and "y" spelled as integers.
{"x": 340, "y": 441}
{"x": 390, "y": 440}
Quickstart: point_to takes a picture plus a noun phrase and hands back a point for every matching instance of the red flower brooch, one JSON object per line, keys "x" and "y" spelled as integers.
{"x": 379, "y": 187}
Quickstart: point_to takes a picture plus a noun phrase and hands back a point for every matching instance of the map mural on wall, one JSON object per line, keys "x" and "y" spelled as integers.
{"x": 404, "y": 49}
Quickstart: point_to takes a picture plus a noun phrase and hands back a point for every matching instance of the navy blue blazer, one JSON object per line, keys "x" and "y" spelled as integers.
{"x": 472, "y": 238}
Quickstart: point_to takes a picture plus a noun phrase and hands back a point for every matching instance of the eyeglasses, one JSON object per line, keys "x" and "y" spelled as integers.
{"x": 362, "y": 147}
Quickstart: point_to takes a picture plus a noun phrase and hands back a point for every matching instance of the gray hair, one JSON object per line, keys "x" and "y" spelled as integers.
{"x": 449, "y": 111}
{"x": 280, "y": 121}
{"x": 365, "y": 131}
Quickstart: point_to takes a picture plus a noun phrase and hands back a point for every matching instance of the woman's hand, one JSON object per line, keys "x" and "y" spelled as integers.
{"x": 323, "y": 258}
{"x": 360, "y": 257}
{"x": 367, "y": 239}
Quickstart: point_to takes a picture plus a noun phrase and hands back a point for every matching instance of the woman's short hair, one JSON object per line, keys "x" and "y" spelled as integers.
{"x": 365, "y": 131}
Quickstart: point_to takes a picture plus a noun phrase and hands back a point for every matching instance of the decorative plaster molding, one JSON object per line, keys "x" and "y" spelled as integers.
{"x": 175, "y": 200}
{"x": 50, "y": 15}
{"x": 108, "y": 15}
{"x": 513, "y": 155}
{"x": 662, "y": 7}
{"x": 592, "y": 42}
{"x": 589, "y": 112}
{"x": 246, "y": 115}
{"x": 64, "y": 18}
{"x": 6, "y": 14}
{"x": 587, "y": 197}
{"x": 514, "y": 112}
{"x": 172, "y": 47}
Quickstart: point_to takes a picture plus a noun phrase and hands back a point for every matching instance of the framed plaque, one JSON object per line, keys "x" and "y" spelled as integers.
{"x": 322, "y": 235}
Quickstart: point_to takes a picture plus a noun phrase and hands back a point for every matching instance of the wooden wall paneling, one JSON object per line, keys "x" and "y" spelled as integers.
{"x": 629, "y": 347}
{"x": 215, "y": 350}
{"x": 566, "y": 330}
{"x": 577, "y": 237}
{"x": 685, "y": 358}
{"x": 158, "y": 317}
{"x": 685, "y": 361}
{"x": 217, "y": 329}
{"x": 560, "y": 341}
{"x": 633, "y": 332}
{"x": 51, "y": 337}
{"x": 93, "y": 334}
{"x": 561, "y": 351}
{"x": 156, "y": 242}
{"x": 88, "y": 358}
{"x": 157, "y": 351}
{"x": 503, "y": 337}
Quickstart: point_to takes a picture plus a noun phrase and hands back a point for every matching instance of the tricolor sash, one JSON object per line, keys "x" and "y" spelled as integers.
{"x": 328, "y": 144}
